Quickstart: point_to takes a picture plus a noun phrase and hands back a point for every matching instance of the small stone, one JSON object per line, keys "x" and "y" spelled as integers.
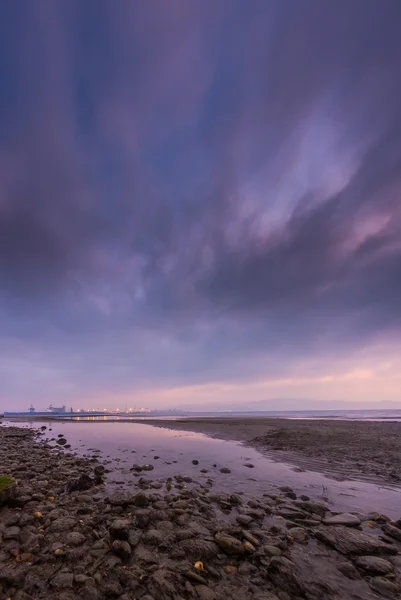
{"x": 121, "y": 548}
{"x": 81, "y": 578}
{"x": 225, "y": 470}
{"x": 249, "y": 465}
{"x": 195, "y": 462}
{"x": 195, "y": 578}
{"x": 62, "y": 580}
{"x": 248, "y": 547}
{"x": 62, "y": 441}
{"x": 147, "y": 467}
{"x": 63, "y": 524}
{"x": 230, "y": 570}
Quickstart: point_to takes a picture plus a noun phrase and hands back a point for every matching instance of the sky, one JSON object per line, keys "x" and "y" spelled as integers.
{"x": 200, "y": 203}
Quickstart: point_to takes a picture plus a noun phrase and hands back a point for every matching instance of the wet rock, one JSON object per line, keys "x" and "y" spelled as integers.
{"x": 386, "y": 588}
{"x": 316, "y": 508}
{"x": 121, "y": 499}
{"x": 244, "y": 520}
{"x": 197, "y": 549}
{"x": 282, "y": 572}
{"x": 61, "y": 441}
{"x": 12, "y": 533}
{"x": 141, "y": 500}
{"x": 205, "y": 593}
{"x": 229, "y": 544}
{"x": 249, "y": 465}
{"x": 348, "y": 570}
{"x": 74, "y": 538}
{"x": 121, "y": 548}
{"x": 63, "y": 524}
{"x": 147, "y": 467}
{"x": 61, "y": 581}
{"x": 84, "y": 482}
{"x": 349, "y": 541}
{"x": 392, "y": 531}
{"x": 195, "y": 578}
{"x": 299, "y": 534}
{"x": 374, "y": 564}
{"x": 225, "y": 470}
{"x": 271, "y": 550}
{"x": 81, "y": 578}
{"x": 119, "y": 529}
{"x": 142, "y": 518}
{"x": 195, "y": 462}
{"x": 343, "y": 519}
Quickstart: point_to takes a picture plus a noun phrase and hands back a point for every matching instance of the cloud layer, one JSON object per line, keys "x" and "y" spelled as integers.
{"x": 195, "y": 195}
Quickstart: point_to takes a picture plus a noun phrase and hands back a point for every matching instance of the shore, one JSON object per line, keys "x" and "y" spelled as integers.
{"x": 364, "y": 450}
{"x": 67, "y": 534}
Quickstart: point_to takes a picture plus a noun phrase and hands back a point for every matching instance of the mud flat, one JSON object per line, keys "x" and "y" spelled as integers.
{"x": 66, "y": 533}
{"x": 363, "y": 450}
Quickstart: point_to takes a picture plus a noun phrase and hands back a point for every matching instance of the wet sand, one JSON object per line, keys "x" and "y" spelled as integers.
{"x": 369, "y": 451}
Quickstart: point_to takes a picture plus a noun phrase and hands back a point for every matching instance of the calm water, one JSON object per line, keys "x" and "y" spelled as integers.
{"x": 125, "y": 443}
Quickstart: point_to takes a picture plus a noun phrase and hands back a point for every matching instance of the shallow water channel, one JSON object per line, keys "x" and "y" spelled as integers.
{"x": 124, "y": 444}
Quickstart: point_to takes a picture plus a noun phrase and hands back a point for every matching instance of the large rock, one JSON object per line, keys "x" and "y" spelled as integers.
{"x": 315, "y": 508}
{"x": 8, "y": 488}
{"x": 374, "y": 564}
{"x": 229, "y": 544}
{"x": 120, "y": 529}
{"x": 343, "y": 519}
{"x": 350, "y": 541}
{"x": 63, "y": 524}
{"x": 283, "y": 573}
{"x": 392, "y": 531}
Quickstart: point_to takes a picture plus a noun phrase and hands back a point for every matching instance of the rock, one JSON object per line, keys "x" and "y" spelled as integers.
{"x": 374, "y": 564}
{"x": 120, "y": 529}
{"x": 343, "y": 519}
{"x": 63, "y": 524}
{"x": 299, "y": 534}
{"x": 229, "y": 544}
{"x": 198, "y": 549}
{"x": 81, "y": 578}
{"x": 8, "y": 489}
{"x": 121, "y": 499}
{"x": 244, "y": 520}
{"x": 205, "y": 593}
{"x": 62, "y": 441}
{"x": 121, "y": 548}
{"x": 271, "y": 550}
{"x": 195, "y": 578}
{"x": 282, "y": 572}
{"x": 230, "y": 570}
{"x": 225, "y": 470}
{"x": 141, "y": 500}
{"x": 147, "y": 467}
{"x": 315, "y": 508}
{"x": 74, "y": 538}
{"x": 142, "y": 517}
{"x": 348, "y": 570}
{"x": 62, "y": 580}
{"x": 392, "y": 531}
{"x": 195, "y": 462}
{"x": 249, "y": 465}
{"x": 351, "y": 541}
{"x": 180, "y": 505}
{"x": 12, "y": 533}
{"x": 385, "y": 587}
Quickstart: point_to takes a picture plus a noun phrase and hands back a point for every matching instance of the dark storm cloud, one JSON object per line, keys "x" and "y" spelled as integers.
{"x": 205, "y": 181}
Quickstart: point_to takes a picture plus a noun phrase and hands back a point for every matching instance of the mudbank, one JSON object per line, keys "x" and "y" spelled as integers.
{"x": 66, "y": 534}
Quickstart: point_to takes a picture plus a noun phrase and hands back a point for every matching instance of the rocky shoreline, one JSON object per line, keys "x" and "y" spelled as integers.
{"x": 66, "y": 534}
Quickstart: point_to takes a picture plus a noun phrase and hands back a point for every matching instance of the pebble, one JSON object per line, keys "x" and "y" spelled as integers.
{"x": 225, "y": 470}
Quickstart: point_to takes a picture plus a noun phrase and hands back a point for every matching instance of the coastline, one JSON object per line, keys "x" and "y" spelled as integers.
{"x": 68, "y": 535}
{"x": 366, "y": 450}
